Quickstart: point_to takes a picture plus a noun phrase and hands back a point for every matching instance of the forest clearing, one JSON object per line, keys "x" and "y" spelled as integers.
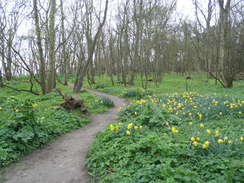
{"x": 121, "y": 91}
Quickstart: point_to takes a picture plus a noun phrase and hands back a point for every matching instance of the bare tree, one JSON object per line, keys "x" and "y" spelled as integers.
{"x": 91, "y": 45}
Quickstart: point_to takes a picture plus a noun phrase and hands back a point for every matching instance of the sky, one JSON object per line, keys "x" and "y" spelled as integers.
{"x": 185, "y": 7}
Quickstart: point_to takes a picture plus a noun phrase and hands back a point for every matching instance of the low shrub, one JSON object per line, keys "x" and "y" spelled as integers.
{"x": 137, "y": 93}
{"x": 106, "y": 102}
{"x": 25, "y": 127}
{"x": 20, "y": 132}
{"x": 156, "y": 140}
{"x": 100, "y": 86}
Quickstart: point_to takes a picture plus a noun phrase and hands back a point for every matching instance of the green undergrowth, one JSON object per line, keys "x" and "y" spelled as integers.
{"x": 172, "y": 83}
{"x": 172, "y": 139}
{"x": 28, "y": 122}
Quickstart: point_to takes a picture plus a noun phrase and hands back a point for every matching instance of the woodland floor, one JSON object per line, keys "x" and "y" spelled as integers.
{"x": 63, "y": 161}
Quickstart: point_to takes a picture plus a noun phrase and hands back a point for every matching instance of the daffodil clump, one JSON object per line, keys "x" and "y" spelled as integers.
{"x": 198, "y": 107}
{"x": 124, "y": 129}
{"x": 202, "y": 136}
{"x": 181, "y": 138}
{"x": 142, "y": 101}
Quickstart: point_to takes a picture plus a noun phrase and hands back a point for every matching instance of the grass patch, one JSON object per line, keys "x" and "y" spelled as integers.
{"x": 173, "y": 83}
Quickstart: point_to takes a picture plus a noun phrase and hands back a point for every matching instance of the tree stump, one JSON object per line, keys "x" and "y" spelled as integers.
{"x": 72, "y": 102}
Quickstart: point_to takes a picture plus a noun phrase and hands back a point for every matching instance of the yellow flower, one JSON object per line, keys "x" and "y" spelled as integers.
{"x": 204, "y": 146}
{"x": 142, "y": 101}
{"x": 34, "y": 105}
{"x": 215, "y": 102}
{"x": 164, "y": 105}
{"x": 201, "y": 125}
{"x": 225, "y": 138}
{"x": 179, "y": 106}
{"x": 199, "y": 115}
{"x": 17, "y": 110}
{"x": 240, "y": 112}
{"x": 220, "y": 141}
{"x": 135, "y": 127}
{"x": 174, "y": 130}
{"x": 207, "y": 142}
{"x": 230, "y": 141}
{"x": 193, "y": 139}
{"x": 1, "y": 108}
{"x": 208, "y": 131}
{"x": 128, "y": 132}
{"x": 195, "y": 143}
{"x": 226, "y": 102}
{"x": 216, "y": 133}
{"x": 111, "y": 127}
{"x": 197, "y": 139}
{"x": 141, "y": 127}
{"x": 170, "y": 109}
{"x": 190, "y": 114}
{"x": 233, "y": 106}
{"x": 130, "y": 125}
{"x": 190, "y": 123}
{"x": 241, "y": 138}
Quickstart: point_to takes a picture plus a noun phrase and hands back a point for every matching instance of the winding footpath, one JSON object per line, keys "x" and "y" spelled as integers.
{"x": 63, "y": 161}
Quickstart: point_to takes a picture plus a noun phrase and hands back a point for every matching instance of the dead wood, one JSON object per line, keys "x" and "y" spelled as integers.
{"x": 72, "y": 102}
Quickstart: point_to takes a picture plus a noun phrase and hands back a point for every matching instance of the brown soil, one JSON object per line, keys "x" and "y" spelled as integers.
{"x": 62, "y": 161}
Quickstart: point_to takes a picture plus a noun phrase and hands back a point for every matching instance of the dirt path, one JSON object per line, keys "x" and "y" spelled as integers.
{"x": 63, "y": 161}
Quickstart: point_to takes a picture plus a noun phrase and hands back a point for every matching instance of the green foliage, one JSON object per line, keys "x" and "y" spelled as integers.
{"x": 20, "y": 132}
{"x": 27, "y": 122}
{"x": 175, "y": 83}
{"x": 133, "y": 93}
{"x": 156, "y": 140}
{"x": 23, "y": 127}
{"x": 146, "y": 113}
{"x": 197, "y": 107}
{"x": 100, "y": 86}
{"x": 106, "y": 102}
{"x": 136, "y": 93}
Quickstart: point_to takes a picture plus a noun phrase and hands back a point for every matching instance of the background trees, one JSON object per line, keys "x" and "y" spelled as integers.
{"x": 142, "y": 40}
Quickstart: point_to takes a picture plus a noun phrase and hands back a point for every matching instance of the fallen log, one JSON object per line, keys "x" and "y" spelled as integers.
{"x": 72, "y": 102}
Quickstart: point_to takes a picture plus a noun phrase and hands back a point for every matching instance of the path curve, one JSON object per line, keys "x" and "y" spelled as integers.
{"x": 63, "y": 161}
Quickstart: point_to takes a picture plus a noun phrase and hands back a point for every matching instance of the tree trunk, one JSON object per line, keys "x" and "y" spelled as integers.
{"x": 64, "y": 55}
{"x": 226, "y": 74}
{"x": 1, "y": 79}
{"x": 8, "y": 72}
{"x": 52, "y": 38}
{"x": 40, "y": 50}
